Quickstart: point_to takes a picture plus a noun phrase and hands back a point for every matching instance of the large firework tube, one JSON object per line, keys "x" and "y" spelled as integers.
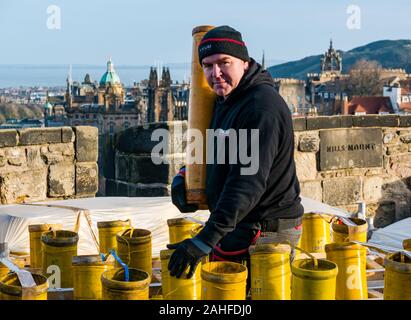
{"x": 201, "y": 106}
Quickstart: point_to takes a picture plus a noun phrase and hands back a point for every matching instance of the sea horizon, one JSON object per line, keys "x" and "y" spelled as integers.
{"x": 55, "y": 75}
{"x": 28, "y": 75}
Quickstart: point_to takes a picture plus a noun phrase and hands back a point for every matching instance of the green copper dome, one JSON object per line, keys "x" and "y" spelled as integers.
{"x": 110, "y": 76}
{"x": 48, "y": 105}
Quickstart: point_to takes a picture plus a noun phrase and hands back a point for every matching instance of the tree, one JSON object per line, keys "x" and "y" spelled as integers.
{"x": 365, "y": 79}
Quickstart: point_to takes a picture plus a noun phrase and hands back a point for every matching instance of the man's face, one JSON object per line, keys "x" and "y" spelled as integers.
{"x": 223, "y": 72}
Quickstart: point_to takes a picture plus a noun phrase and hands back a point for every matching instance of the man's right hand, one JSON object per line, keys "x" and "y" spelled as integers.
{"x": 178, "y": 193}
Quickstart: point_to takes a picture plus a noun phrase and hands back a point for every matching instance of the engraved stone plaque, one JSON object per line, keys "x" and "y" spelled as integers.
{"x": 350, "y": 148}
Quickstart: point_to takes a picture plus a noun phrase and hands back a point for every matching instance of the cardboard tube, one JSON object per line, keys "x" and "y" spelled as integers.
{"x": 201, "y": 106}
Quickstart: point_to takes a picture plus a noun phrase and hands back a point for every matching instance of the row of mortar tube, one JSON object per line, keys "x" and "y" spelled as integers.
{"x": 217, "y": 268}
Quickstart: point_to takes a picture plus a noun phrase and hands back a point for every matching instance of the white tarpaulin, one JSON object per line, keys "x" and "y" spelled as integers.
{"x": 392, "y": 235}
{"x": 149, "y": 213}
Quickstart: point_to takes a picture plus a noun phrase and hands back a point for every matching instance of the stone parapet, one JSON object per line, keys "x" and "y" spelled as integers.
{"x": 340, "y": 160}
{"x": 39, "y": 164}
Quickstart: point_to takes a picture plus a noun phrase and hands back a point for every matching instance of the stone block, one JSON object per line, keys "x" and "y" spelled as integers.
{"x": 15, "y": 156}
{"x": 346, "y": 121}
{"x": 372, "y": 188}
{"x": 309, "y": 143}
{"x": 400, "y": 165}
{"x": 3, "y": 159}
{"x": 8, "y": 138}
{"x": 152, "y": 190}
{"x": 395, "y": 189}
{"x": 86, "y": 178}
{"x": 397, "y": 149}
{"x": 405, "y": 121}
{"x": 350, "y": 148}
{"x": 64, "y": 149}
{"x": 39, "y": 136}
{"x": 51, "y": 157}
{"x": 405, "y": 138}
{"x": 28, "y": 186}
{"x": 111, "y": 188}
{"x": 366, "y": 121}
{"x": 86, "y": 143}
{"x": 300, "y": 124}
{"x": 123, "y": 166}
{"x": 306, "y": 164}
{"x": 122, "y": 189}
{"x": 390, "y": 137}
{"x": 403, "y": 210}
{"x": 389, "y": 120}
{"x": 383, "y": 212}
{"x": 138, "y": 140}
{"x": 316, "y": 123}
{"x": 61, "y": 180}
{"x": 67, "y": 135}
{"x": 144, "y": 170}
{"x": 312, "y": 190}
{"x": 34, "y": 158}
{"x": 342, "y": 191}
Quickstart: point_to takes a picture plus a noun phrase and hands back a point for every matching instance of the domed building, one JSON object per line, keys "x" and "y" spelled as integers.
{"x": 48, "y": 109}
{"x": 110, "y": 91}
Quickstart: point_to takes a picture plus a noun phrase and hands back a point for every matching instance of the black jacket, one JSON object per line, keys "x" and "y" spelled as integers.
{"x": 273, "y": 191}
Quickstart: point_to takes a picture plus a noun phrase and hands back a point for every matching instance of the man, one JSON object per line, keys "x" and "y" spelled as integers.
{"x": 244, "y": 208}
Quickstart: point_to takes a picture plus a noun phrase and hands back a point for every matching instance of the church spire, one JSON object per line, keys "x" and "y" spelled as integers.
{"x": 110, "y": 67}
{"x": 263, "y": 61}
{"x": 69, "y": 81}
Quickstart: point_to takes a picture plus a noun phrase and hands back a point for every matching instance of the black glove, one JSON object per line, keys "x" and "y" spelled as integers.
{"x": 178, "y": 193}
{"x": 187, "y": 253}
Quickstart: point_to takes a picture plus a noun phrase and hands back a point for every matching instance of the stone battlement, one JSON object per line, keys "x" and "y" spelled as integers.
{"x": 288, "y": 81}
{"x": 341, "y": 160}
{"x": 48, "y": 163}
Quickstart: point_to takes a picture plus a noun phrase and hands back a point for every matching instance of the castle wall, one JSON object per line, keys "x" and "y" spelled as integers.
{"x": 48, "y": 163}
{"x": 341, "y": 160}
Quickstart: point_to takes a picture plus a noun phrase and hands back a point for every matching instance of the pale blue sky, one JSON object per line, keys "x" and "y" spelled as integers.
{"x": 139, "y": 32}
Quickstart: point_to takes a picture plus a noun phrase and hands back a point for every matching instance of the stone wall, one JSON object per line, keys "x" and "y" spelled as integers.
{"x": 132, "y": 172}
{"x": 369, "y": 161}
{"x": 48, "y": 163}
{"x": 341, "y": 160}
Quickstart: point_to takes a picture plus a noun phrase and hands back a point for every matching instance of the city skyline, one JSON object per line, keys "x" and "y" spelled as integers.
{"x": 89, "y": 32}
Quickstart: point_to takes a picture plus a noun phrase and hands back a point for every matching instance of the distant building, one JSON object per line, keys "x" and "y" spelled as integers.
{"x": 111, "y": 107}
{"x": 293, "y": 92}
{"x": 166, "y": 101}
{"x": 324, "y": 88}
{"x": 326, "y": 91}
{"x": 102, "y": 105}
{"x": 22, "y": 124}
{"x": 399, "y": 93}
{"x": 368, "y": 105}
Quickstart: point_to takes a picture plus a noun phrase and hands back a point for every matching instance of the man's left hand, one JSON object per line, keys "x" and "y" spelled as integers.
{"x": 188, "y": 253}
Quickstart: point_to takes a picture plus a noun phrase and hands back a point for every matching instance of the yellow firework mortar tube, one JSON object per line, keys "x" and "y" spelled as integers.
{"x": 200, "y": 111}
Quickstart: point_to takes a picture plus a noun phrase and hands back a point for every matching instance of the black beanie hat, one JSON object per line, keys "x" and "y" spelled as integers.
{"x": 223, "y": 39}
